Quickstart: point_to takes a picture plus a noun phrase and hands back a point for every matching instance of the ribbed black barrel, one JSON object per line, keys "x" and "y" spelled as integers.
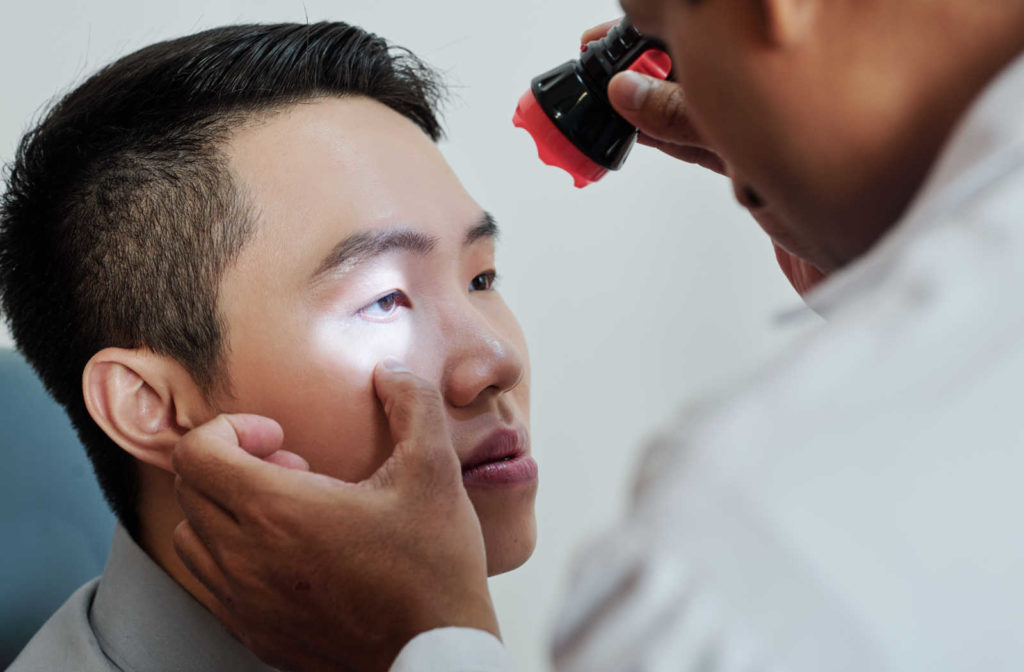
{"x": 575, "y": 95}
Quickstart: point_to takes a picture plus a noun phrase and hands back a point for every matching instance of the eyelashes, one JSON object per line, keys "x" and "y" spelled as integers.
{"x": 386, "y": 306}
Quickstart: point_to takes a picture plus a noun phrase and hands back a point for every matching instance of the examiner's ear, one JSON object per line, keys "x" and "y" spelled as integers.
{"x": 143, "y": 401}
{"x": 787, "y": 22}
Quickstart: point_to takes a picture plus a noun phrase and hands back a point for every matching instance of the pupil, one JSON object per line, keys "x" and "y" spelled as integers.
{"x": 387, "y": 303}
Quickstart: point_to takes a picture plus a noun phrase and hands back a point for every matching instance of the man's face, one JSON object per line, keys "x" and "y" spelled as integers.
{"x": 367, "y": 246}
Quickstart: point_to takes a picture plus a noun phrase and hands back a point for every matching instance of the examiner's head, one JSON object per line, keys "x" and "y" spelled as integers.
{"x": 831, "y": 112}
{"x": 248, "y": 220}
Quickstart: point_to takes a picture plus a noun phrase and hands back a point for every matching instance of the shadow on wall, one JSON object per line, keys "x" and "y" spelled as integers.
{"x": 54, "y": 523}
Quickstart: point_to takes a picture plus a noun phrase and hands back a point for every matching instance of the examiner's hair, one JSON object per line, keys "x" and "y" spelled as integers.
{"x": 120, "y": 214}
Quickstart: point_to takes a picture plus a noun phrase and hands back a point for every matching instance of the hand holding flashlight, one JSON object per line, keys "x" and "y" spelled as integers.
{"x": 658, "y": 109}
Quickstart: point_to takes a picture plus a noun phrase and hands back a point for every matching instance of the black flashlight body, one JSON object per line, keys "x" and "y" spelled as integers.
{"x": 574, "y": 95}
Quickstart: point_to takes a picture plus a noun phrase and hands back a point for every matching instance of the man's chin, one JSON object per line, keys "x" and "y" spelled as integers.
{"x": 510, "y": 547}
{"x": 507, "y": 564}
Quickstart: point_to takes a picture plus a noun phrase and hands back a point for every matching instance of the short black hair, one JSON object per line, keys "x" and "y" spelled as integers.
{"x": 120, "y": 214}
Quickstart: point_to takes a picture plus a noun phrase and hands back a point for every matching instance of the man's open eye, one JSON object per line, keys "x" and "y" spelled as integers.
{"x": 483, "y": 282}
{"x": 386, "y": 305}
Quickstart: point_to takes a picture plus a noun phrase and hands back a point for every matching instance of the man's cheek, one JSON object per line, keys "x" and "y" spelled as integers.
{"x": 355, "y": 347}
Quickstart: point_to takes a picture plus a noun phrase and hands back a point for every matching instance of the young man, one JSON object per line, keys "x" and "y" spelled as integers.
{"x": 249, "y": 220}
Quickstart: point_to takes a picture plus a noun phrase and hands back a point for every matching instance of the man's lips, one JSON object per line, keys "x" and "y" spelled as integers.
{"x": 500, "y": 459}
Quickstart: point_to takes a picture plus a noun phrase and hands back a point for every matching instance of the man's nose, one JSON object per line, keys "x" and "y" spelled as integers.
{"x": 481, "y": 363}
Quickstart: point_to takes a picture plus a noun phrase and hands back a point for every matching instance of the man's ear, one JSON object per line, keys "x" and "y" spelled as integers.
{"x": 143, "y": 401}
{"x": 787, "y": 22}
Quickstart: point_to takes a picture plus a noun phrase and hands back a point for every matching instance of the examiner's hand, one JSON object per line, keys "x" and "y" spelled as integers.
{"x": 658, "y": 109}
{"x": 312, "y": 573}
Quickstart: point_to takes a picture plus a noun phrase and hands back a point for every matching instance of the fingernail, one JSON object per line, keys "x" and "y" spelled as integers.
{"x": 392, "y": 364}
{"x": 634, "y": 89}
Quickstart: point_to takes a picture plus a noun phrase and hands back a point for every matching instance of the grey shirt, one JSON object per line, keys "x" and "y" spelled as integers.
{"x": 134, "y": 618}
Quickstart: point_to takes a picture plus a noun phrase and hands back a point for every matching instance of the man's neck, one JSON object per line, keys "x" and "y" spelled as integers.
{"x": 159, "y": 515}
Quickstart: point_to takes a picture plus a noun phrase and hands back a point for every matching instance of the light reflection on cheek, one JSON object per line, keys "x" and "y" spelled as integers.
{"x": 348, "y": 344}
{"x": 351, "y": 344}
{"x": 355, "y": 347}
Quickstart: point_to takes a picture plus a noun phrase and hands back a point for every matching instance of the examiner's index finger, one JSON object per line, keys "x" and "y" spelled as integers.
{"x": 222, "y": 458}
{"x": 259, "y": 436}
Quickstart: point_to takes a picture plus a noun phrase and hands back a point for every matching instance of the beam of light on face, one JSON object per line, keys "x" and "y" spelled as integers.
{"x": 355, "y": 343}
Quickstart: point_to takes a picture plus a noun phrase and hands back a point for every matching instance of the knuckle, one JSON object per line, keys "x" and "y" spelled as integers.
{"x": 673, "y": 106}
{"x": 423, "y": 391}
{"x": 254, "y": 512}
{"x": 266, "y": 515}
{"x": 270, "y": 517}
{"x": 188, "y": 503}
{"x": 234, "y": 564}
{"x": 416, "y": 396}
{"x": 409, "y": 394}
{"x": 399, "y": 406}
{"x": 421, "y": 384}
{"x": 182, "y": 539}
{"x": 429, "y": 395}
{"x": 402, "y": 392}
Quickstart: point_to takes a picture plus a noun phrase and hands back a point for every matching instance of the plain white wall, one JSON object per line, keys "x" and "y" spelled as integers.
{"x": 635, "y": 294}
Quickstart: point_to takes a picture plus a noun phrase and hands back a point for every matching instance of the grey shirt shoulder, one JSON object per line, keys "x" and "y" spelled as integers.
{"x": 66, "y": 642}
{"x": 134, "y": 618}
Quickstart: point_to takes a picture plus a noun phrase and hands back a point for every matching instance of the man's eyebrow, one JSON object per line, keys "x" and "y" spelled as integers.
{"x": 485, "y": 228}
{"x": 361, "y": 247}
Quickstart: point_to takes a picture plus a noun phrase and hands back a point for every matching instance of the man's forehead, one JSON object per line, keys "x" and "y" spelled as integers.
{"x": 322, "y": 171}
{"x": 350, "y": 129}
{"x": 340, "y": 154}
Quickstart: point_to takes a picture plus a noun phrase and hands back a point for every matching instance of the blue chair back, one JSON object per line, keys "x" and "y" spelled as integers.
{"x": 54, "y": 523}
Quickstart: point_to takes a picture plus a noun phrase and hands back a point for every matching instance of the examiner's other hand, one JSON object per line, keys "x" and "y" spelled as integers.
{"x": 658, "y": 109}
{"x": 312, "y": 573}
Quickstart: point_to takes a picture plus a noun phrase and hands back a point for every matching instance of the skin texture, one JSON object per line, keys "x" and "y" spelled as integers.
{"x": 827, "y": 116}
{"x": 302, "y": 347}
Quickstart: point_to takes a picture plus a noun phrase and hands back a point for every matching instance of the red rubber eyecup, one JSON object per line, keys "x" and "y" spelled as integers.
{"x": 653, "y": 63}
{"x": 553, "y": 148}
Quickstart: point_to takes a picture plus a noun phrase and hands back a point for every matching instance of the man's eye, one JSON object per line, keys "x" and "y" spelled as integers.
{"x": 483, "y": 282}
{"x": 386, "y": 305}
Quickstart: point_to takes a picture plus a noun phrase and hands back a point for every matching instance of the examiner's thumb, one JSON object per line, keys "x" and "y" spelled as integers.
{"x": 423, "y": 451}
{"x": 656, "y": 107}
